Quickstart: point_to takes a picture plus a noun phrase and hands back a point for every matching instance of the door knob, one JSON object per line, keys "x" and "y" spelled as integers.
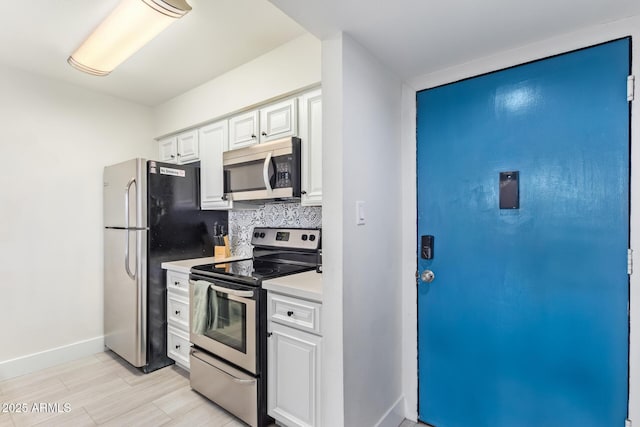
{"x": 427, "y": 276}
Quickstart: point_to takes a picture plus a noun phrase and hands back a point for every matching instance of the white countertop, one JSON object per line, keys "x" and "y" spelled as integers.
{"x": 307, "y": 285}
{"x": 184, "y": 265}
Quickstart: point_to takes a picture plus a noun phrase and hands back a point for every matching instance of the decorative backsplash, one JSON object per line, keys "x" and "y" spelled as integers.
{"x": 242, "y": 222}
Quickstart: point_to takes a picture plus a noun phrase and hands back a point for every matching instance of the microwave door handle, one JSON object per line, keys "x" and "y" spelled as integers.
{"x": 265, "y": 172}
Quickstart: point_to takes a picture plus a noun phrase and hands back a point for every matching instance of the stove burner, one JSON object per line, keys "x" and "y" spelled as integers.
{"x": 263, "y": 271}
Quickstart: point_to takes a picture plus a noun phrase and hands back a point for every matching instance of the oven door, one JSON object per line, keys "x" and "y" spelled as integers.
{"x": 223, "y": 321}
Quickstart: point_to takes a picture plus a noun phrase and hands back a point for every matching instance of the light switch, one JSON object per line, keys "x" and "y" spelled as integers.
{"x": 360, "y": 213}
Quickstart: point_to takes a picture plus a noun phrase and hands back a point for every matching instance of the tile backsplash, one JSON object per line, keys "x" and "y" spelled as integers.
{"x": 242, "y": 222}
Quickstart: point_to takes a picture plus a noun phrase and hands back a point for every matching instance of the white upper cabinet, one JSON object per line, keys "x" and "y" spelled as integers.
{"x": 180, "y": 149}
{"x": 169, "y": 149}
{"x": 298, "y": 116}
{"x": 311, "y": 136}
{"x": 243, "y": 129}
{"x": 188, "y": 147}
{"x": 214, "y": 139}
{"x": 271, "y": 122}
{"x": 279, "y": 120}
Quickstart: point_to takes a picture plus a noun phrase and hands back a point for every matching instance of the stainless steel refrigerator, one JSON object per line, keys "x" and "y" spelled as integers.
{"x": 151, "y": 215}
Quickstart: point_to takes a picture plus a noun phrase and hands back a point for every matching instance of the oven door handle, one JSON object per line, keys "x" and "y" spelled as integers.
{"x": 235, "y": 292}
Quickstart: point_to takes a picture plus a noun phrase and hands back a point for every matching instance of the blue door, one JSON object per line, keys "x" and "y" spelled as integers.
{"x": 523, "y": 181}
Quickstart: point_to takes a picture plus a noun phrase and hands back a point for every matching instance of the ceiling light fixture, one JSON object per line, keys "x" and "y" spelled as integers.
{"x": 131, "y": 25}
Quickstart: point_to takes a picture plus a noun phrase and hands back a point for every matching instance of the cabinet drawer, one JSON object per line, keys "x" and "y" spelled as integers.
{"x": 294, "y": 312}
{"x": 178, "y": 346}
{"x": 178, "y": 282}
{"x": 178, "y": 311}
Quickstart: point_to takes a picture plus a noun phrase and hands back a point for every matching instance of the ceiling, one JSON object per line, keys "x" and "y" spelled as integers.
{"x": 215, "y": 37}
{"x": 416, "y": 37}
{"x": 413, "y": 37}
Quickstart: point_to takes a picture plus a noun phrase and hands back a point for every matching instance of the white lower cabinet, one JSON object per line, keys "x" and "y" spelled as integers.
{"x": 178, "y": 344}
{"x": 293, "y": 363}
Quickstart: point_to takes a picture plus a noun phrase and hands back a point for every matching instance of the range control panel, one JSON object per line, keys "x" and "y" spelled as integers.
{"x": 290, "y": 238}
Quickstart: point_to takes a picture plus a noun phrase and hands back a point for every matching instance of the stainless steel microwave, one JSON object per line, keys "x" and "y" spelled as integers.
{"x": 263, "y": 171}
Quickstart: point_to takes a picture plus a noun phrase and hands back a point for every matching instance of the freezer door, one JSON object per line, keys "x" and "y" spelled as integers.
{"x": 125, "y": 294}
{"x": 125, "y": 194}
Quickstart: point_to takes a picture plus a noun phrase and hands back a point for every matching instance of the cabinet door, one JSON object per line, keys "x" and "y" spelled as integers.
{"x": 214, "y": 139}
{"x": 279, "y": 120}
{"x": 293, "y": 376}
{"x": 168, "y": 149}
{"x": 311, "y": 136}
{"x": 188, "y": 147}
{"x": 243, "y": 130}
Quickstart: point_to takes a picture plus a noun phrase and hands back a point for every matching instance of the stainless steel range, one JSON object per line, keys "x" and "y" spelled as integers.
{"x": 229, "y": 319}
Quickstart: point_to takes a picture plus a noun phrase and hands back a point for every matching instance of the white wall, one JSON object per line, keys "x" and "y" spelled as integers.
{"x": 542, "y": 49}
{"x": 365, "y": 166}
{"x": 289, "y": 68}
{"x": 332, "y": 381}
{"x": 56, "y": 138}
{"x": 408, "y": 230}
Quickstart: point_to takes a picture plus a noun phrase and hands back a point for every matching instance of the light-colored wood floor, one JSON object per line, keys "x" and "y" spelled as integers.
{"x": 104, "y": 390}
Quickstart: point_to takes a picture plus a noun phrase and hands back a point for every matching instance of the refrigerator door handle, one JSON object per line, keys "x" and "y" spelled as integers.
{"x": 127, "y": 190}
{"x": 127, "y": 210}
{"x": 126, "y": 256}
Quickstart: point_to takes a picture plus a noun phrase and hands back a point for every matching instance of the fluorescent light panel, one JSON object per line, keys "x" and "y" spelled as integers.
{"x": 131, "y": 25}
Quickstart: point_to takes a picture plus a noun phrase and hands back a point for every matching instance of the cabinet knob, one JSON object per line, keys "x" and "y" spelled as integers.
{"x": 177, "y": 312}
{"x": 303, "y": 192}
{"x": 269, "y": 334}
{"x": 173, "y": 157}
{"x": 253, "y": 136}
{"x": 177, "y": 346}
{"x": 289, "y": 313}
{"x": 176, "y": 283}
{"x": 179, "y": 154}
{"x": 264, "y": 133}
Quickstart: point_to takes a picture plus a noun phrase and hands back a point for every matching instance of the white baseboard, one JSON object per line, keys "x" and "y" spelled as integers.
{"x": 394, "y": 416}
{"x": 45, "y": 359}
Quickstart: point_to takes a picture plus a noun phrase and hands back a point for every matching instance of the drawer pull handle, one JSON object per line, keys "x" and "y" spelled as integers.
{"x": 196, "y": 353}
{"x": 177, "y": 312}
{"x": 289, "y": 313}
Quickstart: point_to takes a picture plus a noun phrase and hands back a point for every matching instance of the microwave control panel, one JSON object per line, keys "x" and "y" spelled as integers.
{"x": 283, "y": 173}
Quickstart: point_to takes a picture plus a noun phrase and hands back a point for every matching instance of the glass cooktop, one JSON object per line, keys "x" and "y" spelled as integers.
{"x": 251, "y": 270}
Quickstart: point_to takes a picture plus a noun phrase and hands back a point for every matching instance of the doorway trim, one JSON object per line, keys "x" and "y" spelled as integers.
{"x": 590, "y": 36}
